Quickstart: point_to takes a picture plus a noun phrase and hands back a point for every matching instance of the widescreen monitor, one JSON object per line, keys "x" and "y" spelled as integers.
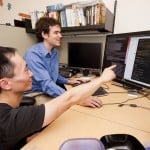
{"x": 131, "y": 53}
{"x": 84, "y": 55}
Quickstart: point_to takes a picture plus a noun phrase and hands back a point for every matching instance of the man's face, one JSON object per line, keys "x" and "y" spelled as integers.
{"x": 54, "y": 36}
{"x": 22, "y": 80}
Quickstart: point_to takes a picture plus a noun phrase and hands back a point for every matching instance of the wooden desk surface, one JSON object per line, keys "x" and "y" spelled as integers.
{"x": 81, "y": 121}
{"x": 135, "y": 117}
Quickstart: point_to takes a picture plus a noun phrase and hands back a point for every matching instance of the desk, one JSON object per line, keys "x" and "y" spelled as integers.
{"x": 81, "y": 121}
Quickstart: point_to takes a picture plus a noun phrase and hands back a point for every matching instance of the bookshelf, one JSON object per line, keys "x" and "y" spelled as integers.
{"x": 106, "y": 27}
{"x": 101, "y": 28}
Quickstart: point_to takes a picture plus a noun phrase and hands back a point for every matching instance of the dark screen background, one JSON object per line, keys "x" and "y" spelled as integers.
{"x": 84, "y": 55}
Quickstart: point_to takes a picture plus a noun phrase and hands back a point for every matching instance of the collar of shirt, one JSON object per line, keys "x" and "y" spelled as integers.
{"x": 44, "y": 51}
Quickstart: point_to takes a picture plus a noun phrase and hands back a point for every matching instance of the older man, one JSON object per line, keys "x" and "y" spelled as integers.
{"x": 18, "y": 123}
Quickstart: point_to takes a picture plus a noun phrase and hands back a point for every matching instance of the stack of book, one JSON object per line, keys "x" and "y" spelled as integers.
{"x": 35, "y": 15}
{"x": 79, "y": 14}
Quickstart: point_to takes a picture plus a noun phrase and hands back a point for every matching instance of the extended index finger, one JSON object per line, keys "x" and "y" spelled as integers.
{"x": 112, "y": 67}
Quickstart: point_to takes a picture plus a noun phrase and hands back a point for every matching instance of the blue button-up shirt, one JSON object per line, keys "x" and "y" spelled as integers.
{"x": 45, "y": 69}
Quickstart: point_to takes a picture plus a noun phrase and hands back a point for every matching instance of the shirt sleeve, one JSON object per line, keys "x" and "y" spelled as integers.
{"x": 41, "y": 76}
{"x": 62, "y": 79}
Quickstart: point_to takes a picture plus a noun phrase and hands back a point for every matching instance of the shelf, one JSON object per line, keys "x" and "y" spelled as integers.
{"x": 80, "y": 30}
{"x": 101, "y": 28}
{"x": 97, "y": 29}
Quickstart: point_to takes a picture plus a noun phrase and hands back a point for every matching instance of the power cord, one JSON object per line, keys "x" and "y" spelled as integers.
{"x": 132, "y": 99}
{"x": 121, "y": 104}
{"x": 134, "y": 105}
{"x": 117, "y": 92}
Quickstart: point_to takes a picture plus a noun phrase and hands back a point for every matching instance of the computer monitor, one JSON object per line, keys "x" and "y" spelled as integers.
{"x": 84, "y": 56}
{"x": 115, "y": 53}
{"x": 137, "y": 68}
{"x": 133, "y": 65}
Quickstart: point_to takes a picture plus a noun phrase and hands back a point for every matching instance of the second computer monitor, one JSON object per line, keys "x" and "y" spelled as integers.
{"x": 115, "y": 53}
{"x": 84, "y": 56}
{"x": 138, "y": 61}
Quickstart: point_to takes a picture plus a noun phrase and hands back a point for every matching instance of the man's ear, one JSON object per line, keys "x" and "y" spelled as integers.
{"x": 44, "y": 35}
{"x": 4, "y": 84}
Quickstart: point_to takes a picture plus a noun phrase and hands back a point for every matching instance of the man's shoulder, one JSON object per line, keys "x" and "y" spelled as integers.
{"x": 35, "y": 47}
{"x": 4, "y": 107}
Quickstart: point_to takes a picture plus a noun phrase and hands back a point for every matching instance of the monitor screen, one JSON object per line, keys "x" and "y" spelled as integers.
{"x": 84, "y": 55}
{"x": 131, "y": 53}
{"x": 138, "y": 61}
{"x": 115, "y": 53}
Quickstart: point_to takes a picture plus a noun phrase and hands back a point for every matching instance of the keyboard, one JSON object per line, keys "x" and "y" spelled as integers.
{"x": 100, "y": 91}
{"x": 65, "y": 73}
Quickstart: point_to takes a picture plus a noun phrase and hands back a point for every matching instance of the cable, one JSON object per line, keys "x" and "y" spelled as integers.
{"x": 121, "y": 104}
{"x": 123, "y": 101}
{"x": 117, "y": 92}
{"x": 134, "y": 105}
{"x": 111, "y": 104}
{"x": 132, "y": 99}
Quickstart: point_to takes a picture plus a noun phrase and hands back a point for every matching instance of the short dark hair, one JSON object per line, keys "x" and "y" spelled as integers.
{"x": 6, "y": 66}
{"x": 42, "y": 25}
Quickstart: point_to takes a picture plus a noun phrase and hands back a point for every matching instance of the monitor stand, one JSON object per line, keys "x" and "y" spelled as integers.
{"x": 78, "y": 75}
{"x": 134, "y": 88}
{"x": 85, "y": 74}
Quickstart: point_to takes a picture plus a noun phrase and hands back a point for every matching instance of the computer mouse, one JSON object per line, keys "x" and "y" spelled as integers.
{"x": 75, "y": 84}
{"x": 80, "y": 81}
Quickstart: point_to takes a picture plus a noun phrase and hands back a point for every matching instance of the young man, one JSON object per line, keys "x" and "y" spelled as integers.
{"x": 43, "y": 60}
{"x": 18, "y": 123}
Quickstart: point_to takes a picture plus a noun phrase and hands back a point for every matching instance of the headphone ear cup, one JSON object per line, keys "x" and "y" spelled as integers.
{"x": 120, "y": 138}
{"x": 121, "y": 142}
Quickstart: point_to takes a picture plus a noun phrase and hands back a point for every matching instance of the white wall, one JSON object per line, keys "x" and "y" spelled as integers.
{"x": 132, "y": 15}
{"x": 16, "y": 37}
